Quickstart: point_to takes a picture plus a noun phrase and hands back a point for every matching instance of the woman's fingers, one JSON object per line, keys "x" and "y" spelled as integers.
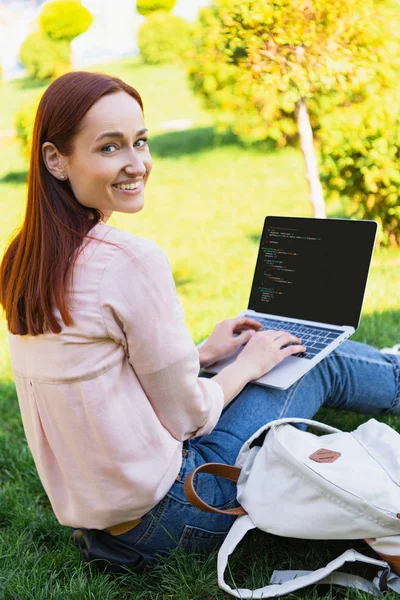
{"x": 272, "y": 333}
{"x": 292, "y": 349}
{"x": 288, "y": 343}
{"x": 285, "y": 334}
{"x": 244, "y": 323}
{"x": 284, "y": 337}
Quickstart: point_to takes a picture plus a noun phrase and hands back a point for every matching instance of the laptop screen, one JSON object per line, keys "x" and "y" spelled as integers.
{"x": 313, "y": 269}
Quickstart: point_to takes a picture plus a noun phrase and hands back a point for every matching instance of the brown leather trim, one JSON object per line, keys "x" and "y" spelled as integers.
{"x": 394, "y": 561}
{"x": 220, "y": 470}
{"x": 123, "y": 527}
{"x": 323, "y": 455}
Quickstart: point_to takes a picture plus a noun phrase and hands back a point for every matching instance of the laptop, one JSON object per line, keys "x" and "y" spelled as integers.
{"x": 310, "y": 279}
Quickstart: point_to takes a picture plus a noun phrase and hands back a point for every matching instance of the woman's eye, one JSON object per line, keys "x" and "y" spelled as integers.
{"x": 106, "y": 149}
{"x": 144, "y": 140}
{"x": 112, "y": 148}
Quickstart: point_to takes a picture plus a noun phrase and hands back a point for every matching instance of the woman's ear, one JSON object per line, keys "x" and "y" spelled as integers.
{"x": 54, "y": 161}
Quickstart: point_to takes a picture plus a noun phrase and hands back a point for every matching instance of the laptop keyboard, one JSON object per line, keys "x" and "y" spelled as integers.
{"x": 314, "y": 339}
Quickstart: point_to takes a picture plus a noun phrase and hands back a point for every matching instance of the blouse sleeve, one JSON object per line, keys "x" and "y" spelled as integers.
{"x": 141, "y": 311}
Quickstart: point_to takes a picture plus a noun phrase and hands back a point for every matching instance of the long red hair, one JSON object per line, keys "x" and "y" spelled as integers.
{"x": 39, "y": 260}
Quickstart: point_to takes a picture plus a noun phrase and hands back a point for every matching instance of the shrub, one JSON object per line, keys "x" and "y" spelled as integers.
{"x": 146, "y": 7}
{"x": 253, "y": 61}
{"x": 360, "y": 163}
{"x": 24, "y": 122}
{"x": 163, "y": 38}
{"x": 44, "y": 58}
{"x": 65, "y": 19}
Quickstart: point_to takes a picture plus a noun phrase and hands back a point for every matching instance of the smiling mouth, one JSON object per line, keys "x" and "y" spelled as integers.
{"x": 127, "y": 186}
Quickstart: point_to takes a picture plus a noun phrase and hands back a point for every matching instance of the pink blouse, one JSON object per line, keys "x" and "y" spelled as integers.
{"x": 106, "y": 403}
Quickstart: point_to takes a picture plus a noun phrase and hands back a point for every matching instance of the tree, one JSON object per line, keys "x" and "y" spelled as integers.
{"x": 46, "y": 53}
{"x": 44, "y": 58}
{"x": 271, "y": 68}
{"x": 147, "y": 7}
{"x": 163, "y": 38}
{"x": 64, "y": 19}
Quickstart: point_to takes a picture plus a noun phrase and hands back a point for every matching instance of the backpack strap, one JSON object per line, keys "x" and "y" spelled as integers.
{"x": 285, "y": 582}
{"x": 220, "y": 470}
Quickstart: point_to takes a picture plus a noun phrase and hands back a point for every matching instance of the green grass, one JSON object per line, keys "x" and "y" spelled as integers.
{"x": 205, "y": 206}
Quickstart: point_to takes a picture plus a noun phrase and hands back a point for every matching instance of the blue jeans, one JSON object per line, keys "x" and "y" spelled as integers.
{"x": 355, "y": 377}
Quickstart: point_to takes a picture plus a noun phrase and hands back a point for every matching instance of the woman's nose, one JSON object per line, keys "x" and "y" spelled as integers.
{"x": 135, "y": 165}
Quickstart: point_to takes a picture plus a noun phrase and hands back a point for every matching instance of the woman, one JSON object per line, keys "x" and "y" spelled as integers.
{"x": 107, "y": 375}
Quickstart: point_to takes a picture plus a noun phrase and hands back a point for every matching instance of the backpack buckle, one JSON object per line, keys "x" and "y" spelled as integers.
{"x": 383, "y": 578}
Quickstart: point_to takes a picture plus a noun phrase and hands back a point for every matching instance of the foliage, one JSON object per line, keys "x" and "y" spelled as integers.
{"x": 147, "y": 7}
{"x": 44, "y": 58}
{"x": 24, "y": 122}
{"x": 164, "y": 38}
{"x": 47, "y": 53}
{"x": 65, "y": 19}
{"x": 360, "y": 163}
{"x": 252, "y": 61}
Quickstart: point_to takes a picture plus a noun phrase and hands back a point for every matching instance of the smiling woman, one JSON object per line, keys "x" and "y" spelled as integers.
{"x": 105, "y": 369}
{"x": 74, "y": 183}
{"x": 110, "y": 160}
{"x": 114, "y": 409}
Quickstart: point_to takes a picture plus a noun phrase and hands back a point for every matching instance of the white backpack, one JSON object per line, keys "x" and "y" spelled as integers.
{"x": 293, "y": 483}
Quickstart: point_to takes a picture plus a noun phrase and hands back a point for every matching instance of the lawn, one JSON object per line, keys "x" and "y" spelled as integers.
{"x": 205, "y": 206}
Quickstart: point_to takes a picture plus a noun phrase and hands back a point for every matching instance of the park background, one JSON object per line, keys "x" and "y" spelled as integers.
{"x": 211, "y": 187}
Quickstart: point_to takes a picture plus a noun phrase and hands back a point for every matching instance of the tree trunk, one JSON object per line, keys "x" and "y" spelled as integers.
{"x": 310, "y": 159}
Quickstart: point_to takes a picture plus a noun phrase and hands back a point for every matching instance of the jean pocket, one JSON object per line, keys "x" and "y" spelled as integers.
{"x": 201, "y": 540}
{"x": 187, "y": 464}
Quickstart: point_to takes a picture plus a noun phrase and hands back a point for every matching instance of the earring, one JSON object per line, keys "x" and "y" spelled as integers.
{"x": 62, "y": 176}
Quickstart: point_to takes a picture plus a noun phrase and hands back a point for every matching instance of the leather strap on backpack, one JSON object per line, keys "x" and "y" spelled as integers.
{"x": 220, "y": 470}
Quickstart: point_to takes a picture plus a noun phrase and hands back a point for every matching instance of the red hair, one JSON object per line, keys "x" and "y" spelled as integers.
{"x": 39, "y": 260}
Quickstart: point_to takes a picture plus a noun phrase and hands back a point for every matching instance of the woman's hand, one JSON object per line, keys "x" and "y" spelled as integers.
{"x": 221, "y": 343}
{"x": 266, "y": 350}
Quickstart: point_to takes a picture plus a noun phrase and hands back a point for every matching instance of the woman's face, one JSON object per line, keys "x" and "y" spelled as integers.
{"x": 110, "y": 161}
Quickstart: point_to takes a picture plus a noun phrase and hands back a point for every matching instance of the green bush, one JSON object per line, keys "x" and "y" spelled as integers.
{"x": 360, "y": 163}
{"x": 65, "y": 19}
{"x": 164, "y": 38}
{"x": 24, "y": 122}
{"x": 252, "y": 61}
{"x": 146, "y": 7}
{"x": 44, "y": 58}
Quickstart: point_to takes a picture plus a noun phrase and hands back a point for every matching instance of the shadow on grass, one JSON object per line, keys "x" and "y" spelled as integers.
{"x": 379, "y": 330}
{"x": 30, "y": 83}
{"x": 15, "y": 177}
{"x": 174, "y": 144}
{"x": 190, "y": 141}
{"x": 182, "y": 278}
{"x": 254, "y": 238}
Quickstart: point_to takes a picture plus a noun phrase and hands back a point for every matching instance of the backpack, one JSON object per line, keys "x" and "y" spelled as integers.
{"x": 293, "y": 483}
